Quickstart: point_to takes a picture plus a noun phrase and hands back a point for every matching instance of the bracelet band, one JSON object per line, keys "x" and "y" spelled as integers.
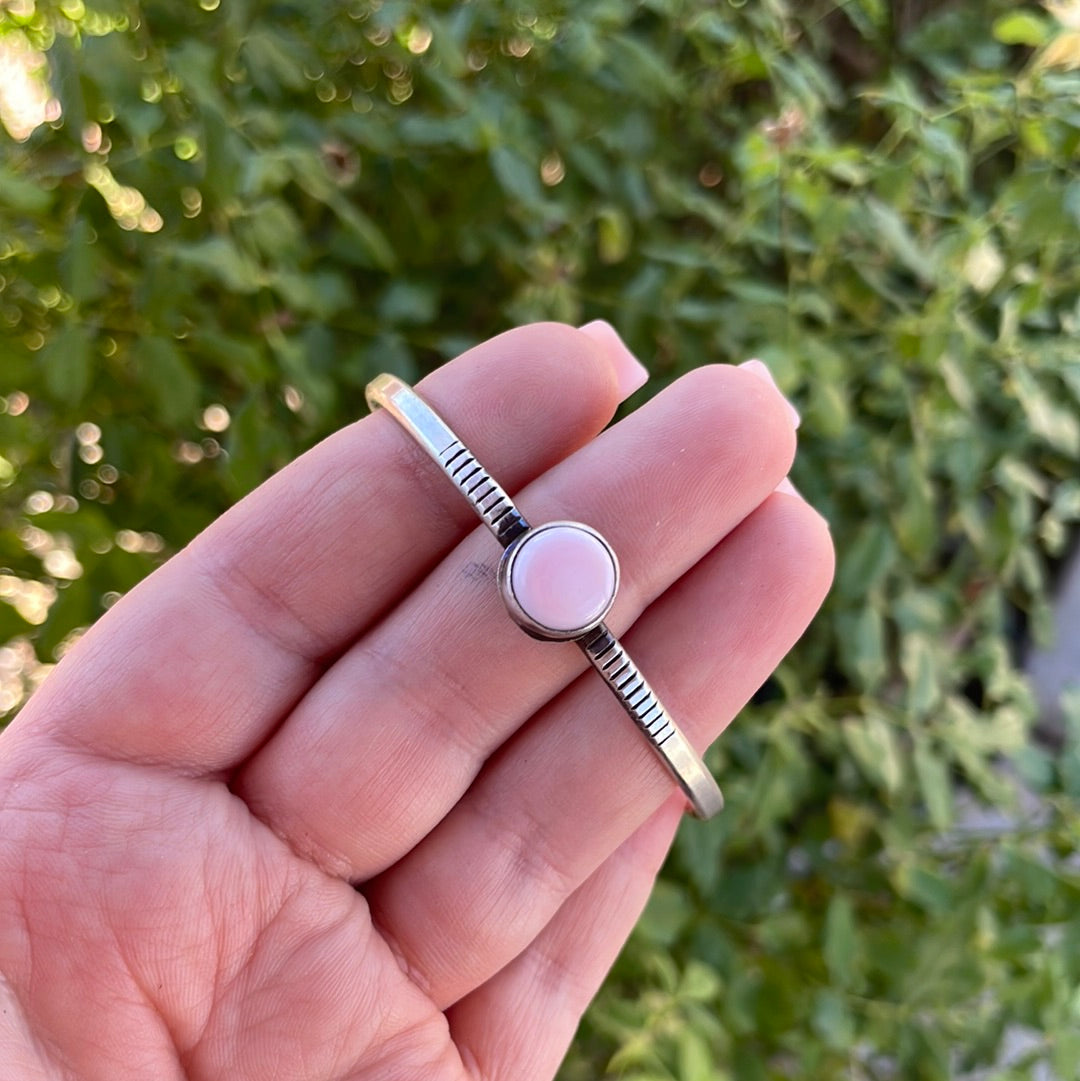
{"x": 558, "y": 581}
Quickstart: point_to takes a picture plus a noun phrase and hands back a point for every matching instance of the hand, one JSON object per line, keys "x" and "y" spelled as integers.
{"x": 307, "y": 805}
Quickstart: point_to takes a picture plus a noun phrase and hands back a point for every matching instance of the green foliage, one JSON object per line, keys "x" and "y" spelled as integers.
{"x": 258, "y": 206}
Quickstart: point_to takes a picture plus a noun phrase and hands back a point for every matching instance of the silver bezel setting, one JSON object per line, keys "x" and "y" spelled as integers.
{"x": 513, "y": 606}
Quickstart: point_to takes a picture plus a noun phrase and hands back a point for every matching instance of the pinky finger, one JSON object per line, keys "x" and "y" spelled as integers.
{"x": 518, "y": 1025}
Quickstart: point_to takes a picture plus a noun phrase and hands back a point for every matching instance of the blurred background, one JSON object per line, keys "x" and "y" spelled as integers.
{"x": 219, "y": 218}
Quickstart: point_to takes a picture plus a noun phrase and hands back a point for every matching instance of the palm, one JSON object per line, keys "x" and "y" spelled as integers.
{"x": 344, "y": 822}
{"x": 212, "y": 950}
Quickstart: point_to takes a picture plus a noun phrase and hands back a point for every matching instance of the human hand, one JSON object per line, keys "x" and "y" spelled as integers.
{"x": 306, "y": 805}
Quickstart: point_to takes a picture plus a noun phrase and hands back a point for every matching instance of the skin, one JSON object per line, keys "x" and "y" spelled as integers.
{"x": 305, "y": 805}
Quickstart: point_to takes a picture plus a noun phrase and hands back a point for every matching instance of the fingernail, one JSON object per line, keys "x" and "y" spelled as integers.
{"x": 630, "y": 373}
{"x": 788, "y": 488}
{"x": 761, "y": 370}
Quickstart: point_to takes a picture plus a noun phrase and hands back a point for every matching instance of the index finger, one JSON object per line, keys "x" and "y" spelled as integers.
{"x": 196, "y": 666}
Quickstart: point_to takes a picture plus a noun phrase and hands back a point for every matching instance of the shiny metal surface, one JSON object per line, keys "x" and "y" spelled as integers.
{"x": 496, "y": 510}
{"x": 640, "y": 701}
{"x": 485, "y": 496}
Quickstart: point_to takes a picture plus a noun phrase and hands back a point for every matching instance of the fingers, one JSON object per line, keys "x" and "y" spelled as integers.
{"x": 197, "y": 665}
{"x": 761, "y": 370}
{"x": 391, "y": 737}
{"x": 579, "y": 779}
{"x": 520, "y": 1023}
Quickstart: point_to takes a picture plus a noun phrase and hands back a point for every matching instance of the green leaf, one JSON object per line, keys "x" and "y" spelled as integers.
{"x": 841, "y": 943}
{"x": 665, "y": 915}
{"x": 613, "y": 235}
{"x": 646, "y": 70}
{"x": 1023, "y": 27}
{"x": 251, "y": 446}
{"x": 195, "y": 64}
{"x": 372, "y": 239}
{"x": 169, "y": 380}
{"x": 409, "y": 302}
{"x": 874, "y": 744}
{"x": 66, "y": 361}
{"x": 925, "y": 888}
{"x": 894, "y": 233}
{"x": 867, "y": 558}
{"x": 830, "y": 409}
{"x": 21, "y": 195}
{"x": 832, "y": 1020}
{"x": 1058, "y": 425}
{"x": 276, "y": 231}
{"x": 917, "y": 526}
{"x": 695, "y": 1057}
{"x": 519, "y": 179}
{"x": 273, "y": 61}
{"x": 82, "y": 266}
{"x": 918, "y": 661}
{"x": 67, "y": 81}
{"x": 217, "y": 259}
{"x": 934, "y": 783}
{"x": 699, "y": 983}
{"x": 863, "y": 631}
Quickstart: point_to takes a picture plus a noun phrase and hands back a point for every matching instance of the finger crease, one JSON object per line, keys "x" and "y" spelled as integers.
{"x": 533, "y": 866}
{"x": 262, "y": 610}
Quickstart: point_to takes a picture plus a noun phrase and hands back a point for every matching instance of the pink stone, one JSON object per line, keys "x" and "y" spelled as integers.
{"x": 563, "y": 577}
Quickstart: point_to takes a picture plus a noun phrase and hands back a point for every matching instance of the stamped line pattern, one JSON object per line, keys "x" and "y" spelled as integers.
{"x": 484, "y": 493}
{"x": 630, "y": 686}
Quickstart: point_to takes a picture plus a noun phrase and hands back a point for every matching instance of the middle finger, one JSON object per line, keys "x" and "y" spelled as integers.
{"x": 389, "y": 739}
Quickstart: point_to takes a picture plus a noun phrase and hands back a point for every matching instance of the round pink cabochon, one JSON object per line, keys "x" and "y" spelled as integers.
{"x": 563, "y": 578}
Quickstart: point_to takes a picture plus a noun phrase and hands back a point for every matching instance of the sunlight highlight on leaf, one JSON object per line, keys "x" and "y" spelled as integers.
{"x": 127, "y": 205}
{"x": 26, "y": 100}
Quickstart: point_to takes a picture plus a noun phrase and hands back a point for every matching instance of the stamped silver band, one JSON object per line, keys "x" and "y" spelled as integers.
{"x": 496, "y": 510}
